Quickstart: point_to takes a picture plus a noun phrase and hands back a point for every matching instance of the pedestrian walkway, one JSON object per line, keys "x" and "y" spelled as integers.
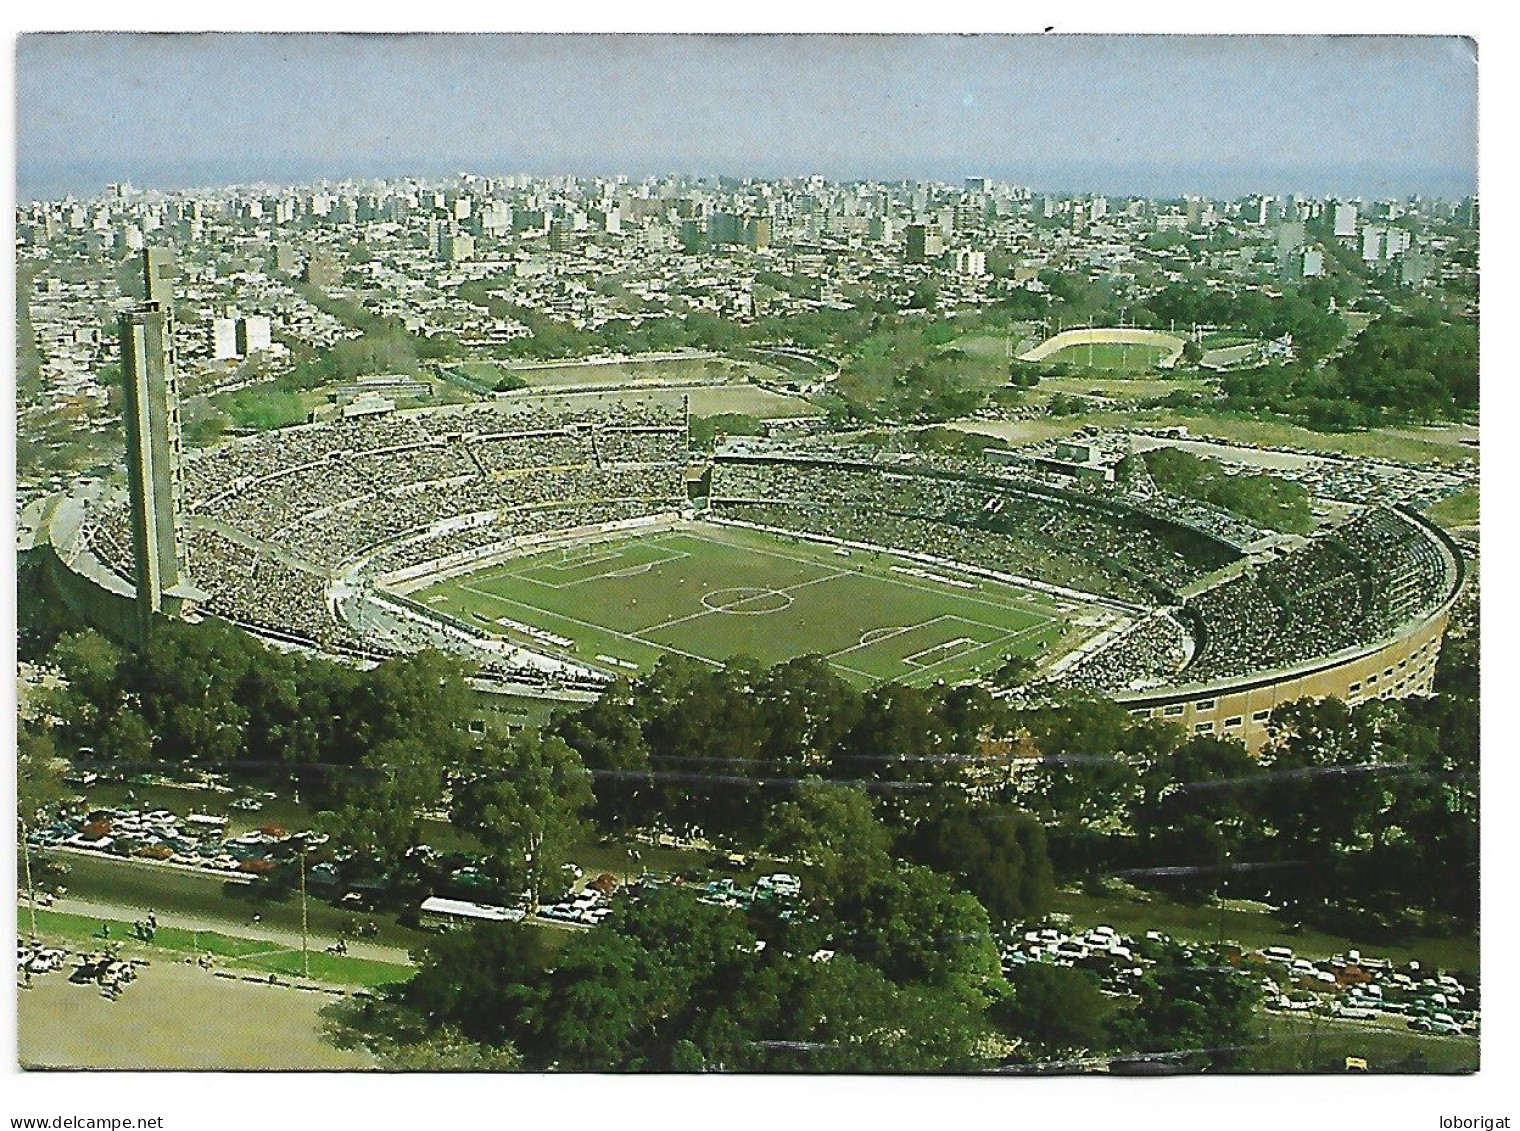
{"x": 357, "y": 948}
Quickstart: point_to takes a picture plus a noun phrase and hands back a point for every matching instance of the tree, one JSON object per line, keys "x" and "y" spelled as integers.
{"x": 601, "y": 1006}
{"x": 525, "y": 799}
{"x": 1198, "y": 1006}
{"x": 379, "y": 812}
{"x": 609, "y": 736}
{"x": 833, "y": 830}
{"x": 996, "y": 852}
{"x": 39, "y": 782}
{"x": 1053, "y": 1011}
{"x": 1196, "y": 809}
{"x": 486, "y": 982}
{"x": 912, "y": 926}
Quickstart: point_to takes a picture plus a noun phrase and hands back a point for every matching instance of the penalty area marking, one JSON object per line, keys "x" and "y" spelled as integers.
{"x": 917, "y": 659}
{"x": 729, "y": 600}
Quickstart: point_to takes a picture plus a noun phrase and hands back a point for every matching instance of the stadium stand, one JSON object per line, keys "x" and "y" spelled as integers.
{"x": 1347, "y": 588}
{"x": 1053, "y": 537}
{"x": 400, "y": 490}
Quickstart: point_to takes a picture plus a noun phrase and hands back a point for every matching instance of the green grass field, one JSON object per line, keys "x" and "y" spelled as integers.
{"x": 1457, "y": 511}
{"x": 704, "y": 400}
{"x": 1315, "y": 1044}
{"x": 1379, "y": 443}
{"x": 83, "y": 933}
{"x": 712, "y": 593}
{"x": 634, "y": 371}
{"x": 1110, "y": 357}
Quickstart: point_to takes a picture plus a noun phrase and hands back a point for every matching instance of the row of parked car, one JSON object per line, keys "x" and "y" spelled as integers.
{"x": 1350, "y": 986}
{"x": 199, "y": 840}
{"x": 1358, "y": 987}
{"x": 1116, "y": 959}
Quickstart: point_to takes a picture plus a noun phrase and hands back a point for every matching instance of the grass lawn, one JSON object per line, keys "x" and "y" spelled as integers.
{"x": 1309, "y": 1044}
{"x": 1223, "y": 339}
{"x": 83, "y": 932}
{"x": 1121, "y": 388}
{"x": 713, "y": 593}
{"x": 994, "y": 346}
{"x": 672, "y": 371}
{"x": 1379, "y": 444}
{"x": 1119, "y": 357}
{"x": 1255, "y": 929}
{"x": 227, "y": 906}
{"x": 1460, "y": 509}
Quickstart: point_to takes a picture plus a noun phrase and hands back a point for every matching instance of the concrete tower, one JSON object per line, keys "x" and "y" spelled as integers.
{"x": 150, "y": 413}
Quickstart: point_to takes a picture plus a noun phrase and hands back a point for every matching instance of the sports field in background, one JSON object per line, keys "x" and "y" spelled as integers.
{"x": 1111, "y": 357}
{"x": 680, "y": 370}
{"x": 712, "y": 592}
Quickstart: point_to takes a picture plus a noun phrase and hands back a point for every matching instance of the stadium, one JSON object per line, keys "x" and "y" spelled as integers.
{"x": 558, "y": 546}
{"x": 1121, "y": 348}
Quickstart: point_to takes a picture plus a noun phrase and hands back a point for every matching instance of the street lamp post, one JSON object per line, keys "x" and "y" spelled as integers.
{"x": 305, "y": 956}
{"x": 31, "y": 891}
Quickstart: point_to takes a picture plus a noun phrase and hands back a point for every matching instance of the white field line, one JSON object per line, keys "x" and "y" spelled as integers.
{"x": 707, "y": 612}
{"x": 521, "y": 573}
{"x": 959, "y": 642}
{"x": 601, "y": 628}
{"x": 892, "y": 634}
{"x": 1000, "y": 642}
{"x": 1013, "y": 603}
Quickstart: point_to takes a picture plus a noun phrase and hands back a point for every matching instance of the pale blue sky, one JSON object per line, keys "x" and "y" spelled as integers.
{"x": 1220, "y": 115}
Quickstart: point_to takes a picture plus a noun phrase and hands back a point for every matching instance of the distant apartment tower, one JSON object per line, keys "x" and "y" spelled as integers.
{"x": 922, "y": 245}
{"x": 455, "y": 246}
{"x": 150, "y": 413}
{"x": 1290, "y": 236}
{"x": 1345, "y": 220}
{"x": 757, "y": 232}
{"x": 322, "y": 269}
{"x": 970, "y": 261}
{"x": 253, "y": 334}
{"x": 224, "y": 339}
{"x": 1304, "y": 263}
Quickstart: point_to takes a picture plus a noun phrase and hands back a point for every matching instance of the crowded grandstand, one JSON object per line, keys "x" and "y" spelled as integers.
{"x": 298, "y": 535}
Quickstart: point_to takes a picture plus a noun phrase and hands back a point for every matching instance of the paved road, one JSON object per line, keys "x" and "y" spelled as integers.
{"x": 242, "y": 928}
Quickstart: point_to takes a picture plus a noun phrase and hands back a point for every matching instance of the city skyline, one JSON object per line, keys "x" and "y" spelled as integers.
{"x": 1233, "y": 115}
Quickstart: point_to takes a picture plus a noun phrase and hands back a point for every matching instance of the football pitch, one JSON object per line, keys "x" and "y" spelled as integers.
{"x": 713, "y": 592}
{"x": 1111, "y": 357}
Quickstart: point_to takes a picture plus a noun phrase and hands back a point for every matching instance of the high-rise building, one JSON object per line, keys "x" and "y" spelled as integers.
{"x": 757, "y": 232}
{"x": 150, "y": 412}
{"x": 923, "y": 245}
{"x": 970, "y": 261}
{"x": 223, "y": 339}
{"x": 1290, "y": 236}
{"x": 1345, "y": 219}
{"x": 322, "y": 269}
{"x": 253, "y": 334}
